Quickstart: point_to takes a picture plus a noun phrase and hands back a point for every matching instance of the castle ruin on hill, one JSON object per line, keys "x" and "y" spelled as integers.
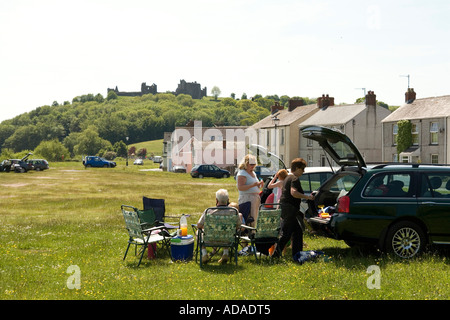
{"x": 191, "y": 88}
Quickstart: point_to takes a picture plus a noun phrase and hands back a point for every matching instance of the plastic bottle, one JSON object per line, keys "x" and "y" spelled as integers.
{"x": 183, "y": 226}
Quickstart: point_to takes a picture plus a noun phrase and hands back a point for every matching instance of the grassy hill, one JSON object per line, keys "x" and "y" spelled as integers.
{"x": 153, "y": 146}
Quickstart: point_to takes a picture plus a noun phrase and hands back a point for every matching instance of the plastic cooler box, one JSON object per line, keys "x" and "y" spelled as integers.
{"x": 182, "y": 248}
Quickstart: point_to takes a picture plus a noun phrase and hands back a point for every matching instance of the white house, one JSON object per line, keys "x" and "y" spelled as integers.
{"x": 360, "y": 122}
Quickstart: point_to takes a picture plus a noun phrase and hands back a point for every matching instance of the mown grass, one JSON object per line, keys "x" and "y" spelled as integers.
{"x": 69, "y": 215}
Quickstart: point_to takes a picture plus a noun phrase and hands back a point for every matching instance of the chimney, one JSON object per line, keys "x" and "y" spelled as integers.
{"x": 325, "y": 101}
{"x": 410, "y": 96}
{"x": 276, "y": 107}
{"x": 293, "y": 103}
{"x": 371, "y": 99}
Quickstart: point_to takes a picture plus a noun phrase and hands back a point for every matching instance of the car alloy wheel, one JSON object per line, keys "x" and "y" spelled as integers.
{"x": 406, "y": 240}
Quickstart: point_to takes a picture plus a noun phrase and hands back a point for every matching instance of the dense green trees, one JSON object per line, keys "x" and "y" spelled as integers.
{"x": 92, "y": 124}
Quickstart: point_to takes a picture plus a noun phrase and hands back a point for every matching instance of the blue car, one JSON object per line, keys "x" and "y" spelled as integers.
{"x": 98, "y": 162}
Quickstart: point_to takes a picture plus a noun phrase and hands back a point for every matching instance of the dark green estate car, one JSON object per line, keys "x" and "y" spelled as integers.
{"x": 400, "y": 208}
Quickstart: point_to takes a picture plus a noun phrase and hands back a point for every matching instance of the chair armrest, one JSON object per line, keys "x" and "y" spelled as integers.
{"x": 247, "y": 227}
{"x": 154, "y": 228}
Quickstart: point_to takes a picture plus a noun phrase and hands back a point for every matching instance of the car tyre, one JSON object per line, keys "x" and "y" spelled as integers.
{"x": 405, "y": 239}
{"x": 200, "y": 176}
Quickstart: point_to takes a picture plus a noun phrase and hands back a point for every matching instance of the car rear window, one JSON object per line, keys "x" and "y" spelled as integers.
{"x": 436, "y": 185}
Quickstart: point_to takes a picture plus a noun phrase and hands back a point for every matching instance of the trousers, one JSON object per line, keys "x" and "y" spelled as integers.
{"x": 290, "y": 228}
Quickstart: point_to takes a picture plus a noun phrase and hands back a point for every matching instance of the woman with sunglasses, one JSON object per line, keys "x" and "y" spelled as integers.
{"x": 249, "y": 186}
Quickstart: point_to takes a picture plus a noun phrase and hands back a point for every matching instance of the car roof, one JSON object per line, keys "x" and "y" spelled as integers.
{"x": 320, "y": 169}
{"x": 409, "y": 166}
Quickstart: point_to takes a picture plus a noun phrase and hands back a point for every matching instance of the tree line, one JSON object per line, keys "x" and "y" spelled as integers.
{"x": 94, "y": 125}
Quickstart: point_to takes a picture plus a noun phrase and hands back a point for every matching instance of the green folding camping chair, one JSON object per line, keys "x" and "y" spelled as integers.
{"x": 219, "y": 230}
{"x": 141, "y": 233}
{"x": 267, "y": 230}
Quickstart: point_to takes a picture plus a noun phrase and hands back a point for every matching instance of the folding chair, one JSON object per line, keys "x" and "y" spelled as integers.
{"x": 267, "y": 229}
{"x": 140, "y": 236}
{"x": 159, "y": 208}
{"x": 219, "y": 230}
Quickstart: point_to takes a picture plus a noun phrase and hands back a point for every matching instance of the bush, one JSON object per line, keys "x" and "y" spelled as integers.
{"x": 404, "y": 136}
{"x": 52, "y": 150}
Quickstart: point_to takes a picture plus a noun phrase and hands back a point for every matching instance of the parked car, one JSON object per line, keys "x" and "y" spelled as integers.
{"x": 179, "y": 169}
{"x": 16, "y": 165}
{"x": 209, "y": 170}
{"x": 94, "y": 161}
{"x": 39, "y": 164}
{"x": 138, "y": 162}
{"x": 400, "y": 208}
{"x": 157, "y": 159}
{"x": 5, "y": 166}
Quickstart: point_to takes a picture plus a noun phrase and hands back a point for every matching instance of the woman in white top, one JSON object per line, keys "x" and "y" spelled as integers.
{"x": 249, "y": 186}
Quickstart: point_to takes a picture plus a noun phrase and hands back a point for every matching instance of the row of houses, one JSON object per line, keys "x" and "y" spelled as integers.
{"x": 372, "y": 128}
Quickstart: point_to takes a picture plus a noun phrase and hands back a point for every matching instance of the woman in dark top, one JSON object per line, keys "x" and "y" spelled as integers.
{"x": 291, "y": 197}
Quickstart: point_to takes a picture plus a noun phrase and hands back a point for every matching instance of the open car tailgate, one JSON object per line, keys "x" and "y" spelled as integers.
{"x": 321, "y": 226}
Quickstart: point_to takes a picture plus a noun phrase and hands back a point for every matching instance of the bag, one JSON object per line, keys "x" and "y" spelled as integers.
{"x": 303, "y": 256}
{"x": 264, "y": 245}
{"x": 151, "y": 251}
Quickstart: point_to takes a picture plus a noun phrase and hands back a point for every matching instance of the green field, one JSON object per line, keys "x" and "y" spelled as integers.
{"x": 69, "y": 217}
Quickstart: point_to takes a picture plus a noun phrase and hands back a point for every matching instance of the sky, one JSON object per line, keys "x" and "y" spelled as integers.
{"x": 55, "y": 50}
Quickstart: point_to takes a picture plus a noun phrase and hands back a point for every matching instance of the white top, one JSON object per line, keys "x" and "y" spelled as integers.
{"x": 250, "y": 180}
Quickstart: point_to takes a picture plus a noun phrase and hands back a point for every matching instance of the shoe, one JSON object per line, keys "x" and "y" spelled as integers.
{"x": 224, "y": 259}
{"x": 205, "y": 258}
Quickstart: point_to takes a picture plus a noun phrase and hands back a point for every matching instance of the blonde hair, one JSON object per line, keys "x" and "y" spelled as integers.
{"x": 282, "y": 174}
{"x": 245, "y": 162}
{"x": 234, "y": 205}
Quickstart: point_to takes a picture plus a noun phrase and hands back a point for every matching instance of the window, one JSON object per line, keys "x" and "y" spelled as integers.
{"x": 436, "y": 185}
{"x": 322, "y": 161}
{"x": 434, "y": 158}
{"x": 389, "y": 185}
{"x": 282, "y": 137}
{"x": 310, "y": 160}
{"x": 415, "y": 134}
{"x": 312, "y": 181}
{"x": 309, "y": 142}
{"x": 434, "y": 130}
{"x": 343, "y": 183}
{"x": 395, "y": 157}
{"x": 394, "y": 134}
